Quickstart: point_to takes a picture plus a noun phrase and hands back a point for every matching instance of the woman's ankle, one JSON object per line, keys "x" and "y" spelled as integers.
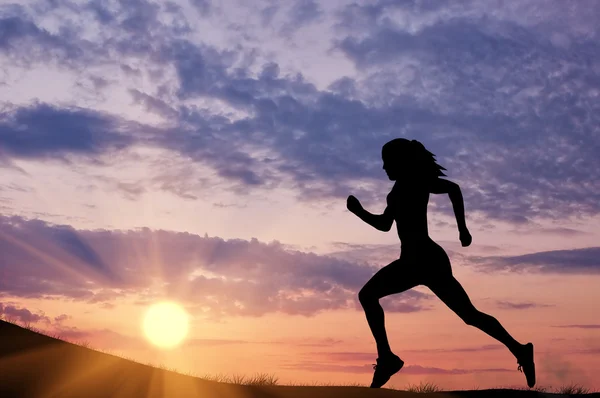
{"x": 385, "y": 354}
{"x": 517, "y": 350}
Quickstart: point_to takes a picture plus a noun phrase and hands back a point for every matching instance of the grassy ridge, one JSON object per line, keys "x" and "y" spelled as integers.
{"x": 26, "y": 351}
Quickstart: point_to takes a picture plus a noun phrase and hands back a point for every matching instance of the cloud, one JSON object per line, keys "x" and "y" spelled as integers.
{"x": 593, "y": 326}
{"x": 209, "y": 275}
{"x": 214, "y": 342}
{"x": 45, "y": 131}
{"x": 313, "y": 366}
{"x": 22, "y": 315}
{"x": 589, "y": 351}
{"x": 105, "y": 339}
{"x": 507, "y": 305}
{"x": 301, "y": 14}
{"x": 562, "y": 231}
{"x": 203, "y": 6}
{"x": 367, "y": 356}
{"x": 573, "y": 261}
{"x": 314, "y": 342}
{"x": 424, "y": 370}
{"x": 153, "y": 104}
{"x": 487, "y": 347}
{"x": 463, "y": 78}
{"x": 27, "y": 43}
{"x": 478, "y": 75}
{"x": 61, "y": 318}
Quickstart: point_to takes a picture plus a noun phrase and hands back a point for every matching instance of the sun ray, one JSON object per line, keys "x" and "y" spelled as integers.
{"x": 61, "y": 265}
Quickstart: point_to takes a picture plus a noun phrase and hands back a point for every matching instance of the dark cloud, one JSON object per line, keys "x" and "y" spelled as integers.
{"x": 45, "y": 131}
{"x": 69, "y": 240}
{"x": 508, "y": 104}
{"x": 25, "y": 43}
{"x": 302, "y": 13}
{"x": 203, "y": 6}
{"x": 210, "y": 275}
{"x": 153, "y": 104}
{"x": 319, "y": 162}
{"x": 268, "y": 13}
{"x": 573, "y": 261}
{"x": 534, "y": 163}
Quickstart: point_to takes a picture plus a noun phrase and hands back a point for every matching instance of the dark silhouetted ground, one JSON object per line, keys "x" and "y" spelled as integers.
{"x": 33, "y": 365}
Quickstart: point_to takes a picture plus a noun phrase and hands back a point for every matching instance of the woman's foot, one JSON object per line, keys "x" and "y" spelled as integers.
{"x": 526, "y": 364}
{"x": 386, "y": 367}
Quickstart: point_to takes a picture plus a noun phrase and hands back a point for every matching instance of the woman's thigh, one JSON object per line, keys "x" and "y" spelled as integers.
{"x": 396, "y": 277}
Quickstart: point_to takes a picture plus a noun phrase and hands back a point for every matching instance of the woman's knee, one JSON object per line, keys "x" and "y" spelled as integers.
{"x": 366, "y": 296}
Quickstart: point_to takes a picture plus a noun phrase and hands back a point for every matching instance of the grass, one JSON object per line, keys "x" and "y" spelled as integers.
{"x": 265, "y": 379}
{"x": 574, "y": 389}
{"x": 423, "y": 388}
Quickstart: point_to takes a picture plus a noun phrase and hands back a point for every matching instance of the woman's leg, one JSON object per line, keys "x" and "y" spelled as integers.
{"x": 391, "y": 279}
{"x": 450, "y": 291}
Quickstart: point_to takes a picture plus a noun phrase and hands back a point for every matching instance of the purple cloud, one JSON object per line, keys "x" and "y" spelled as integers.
{"x": 45, "y": 131}
{"x": 227, "y": 277}
{"x": 507, "y": 305}
{"x": 22, "y": 315}
{"x": 573, "y": 261}
{"x": 497, "y": 88}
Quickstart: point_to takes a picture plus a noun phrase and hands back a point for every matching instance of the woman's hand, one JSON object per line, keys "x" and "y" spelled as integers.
{"x": 465, "y": 237}
{"x": 353, "y": 204}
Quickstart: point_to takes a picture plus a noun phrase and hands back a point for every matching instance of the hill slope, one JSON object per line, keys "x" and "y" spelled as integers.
{"x": 34, "y": 365}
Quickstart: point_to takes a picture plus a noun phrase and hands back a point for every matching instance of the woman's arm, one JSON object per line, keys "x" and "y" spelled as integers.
{"x": 453, "y": 190}
{"x": 458, "y": 205}
{"x": 382, "y": 222}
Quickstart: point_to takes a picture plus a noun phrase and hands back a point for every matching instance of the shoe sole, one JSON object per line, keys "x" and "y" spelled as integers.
{"x": 532, "y": 363}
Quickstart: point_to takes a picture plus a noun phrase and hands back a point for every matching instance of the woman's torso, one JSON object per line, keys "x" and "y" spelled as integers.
{"x": 408, "y": 204}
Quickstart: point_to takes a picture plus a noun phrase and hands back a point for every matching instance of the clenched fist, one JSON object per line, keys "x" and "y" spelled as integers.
{"x": 465, "y": 238}
{"x": 353, "y": 204}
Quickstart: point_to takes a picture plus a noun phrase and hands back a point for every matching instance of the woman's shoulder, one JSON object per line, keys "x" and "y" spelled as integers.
{"x": 408, "y": 189}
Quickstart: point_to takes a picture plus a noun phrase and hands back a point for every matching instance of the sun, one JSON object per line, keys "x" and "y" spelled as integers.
{"x": 165, "y": 324}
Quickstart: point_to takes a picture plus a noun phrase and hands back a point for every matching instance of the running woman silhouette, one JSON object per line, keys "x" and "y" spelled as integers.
{"x": 422, "y": 261}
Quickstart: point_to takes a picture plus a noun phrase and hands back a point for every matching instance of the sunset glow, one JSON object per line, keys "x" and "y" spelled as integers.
{"x": 174, "y": 179}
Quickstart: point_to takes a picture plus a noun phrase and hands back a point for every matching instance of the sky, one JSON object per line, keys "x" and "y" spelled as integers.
{"x": 202, "y": 152}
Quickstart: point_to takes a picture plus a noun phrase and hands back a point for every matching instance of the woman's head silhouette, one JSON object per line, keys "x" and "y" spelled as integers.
{"x": 409, "y": 158}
